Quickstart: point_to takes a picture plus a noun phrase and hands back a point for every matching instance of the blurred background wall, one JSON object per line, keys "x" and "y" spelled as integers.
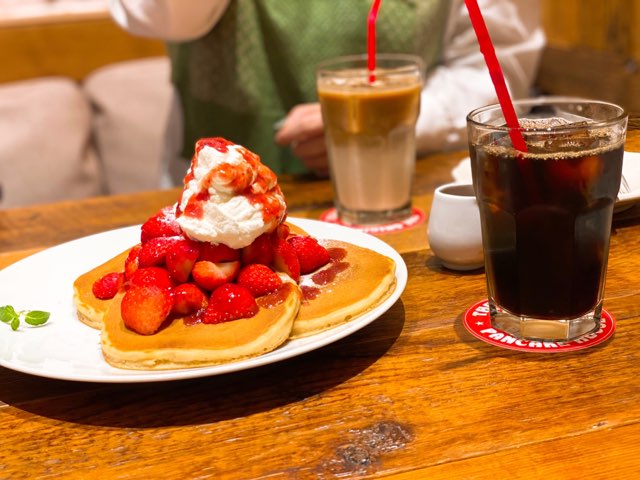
{"x": 593, "y": 47}
{"x": 593, "y": 50}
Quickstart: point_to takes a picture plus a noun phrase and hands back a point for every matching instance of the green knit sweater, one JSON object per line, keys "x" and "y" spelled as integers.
{"x": 259, "y": 61}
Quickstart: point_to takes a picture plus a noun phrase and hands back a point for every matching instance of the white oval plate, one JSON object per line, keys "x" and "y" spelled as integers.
{"x": 65, "y": 348}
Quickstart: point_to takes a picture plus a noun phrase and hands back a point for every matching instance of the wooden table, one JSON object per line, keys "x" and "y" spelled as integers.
{"x": 412, "y": 395}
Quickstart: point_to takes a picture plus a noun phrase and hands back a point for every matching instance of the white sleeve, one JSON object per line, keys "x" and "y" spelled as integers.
{"x": 176, "y": 20}
{"x": 462, "y": 82}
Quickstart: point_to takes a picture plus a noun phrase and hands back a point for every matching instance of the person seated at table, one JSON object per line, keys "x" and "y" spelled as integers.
{"x": 245, "y": 69}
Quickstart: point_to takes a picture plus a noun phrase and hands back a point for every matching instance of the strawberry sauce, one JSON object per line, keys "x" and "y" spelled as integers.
{"x": 309, "y": 292}
{"x": 274, "y": 299}
{"x": 327, "y": 274}
{"x": 336, "y": 254}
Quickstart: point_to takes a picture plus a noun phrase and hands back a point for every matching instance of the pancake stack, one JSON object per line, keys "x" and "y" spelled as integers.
{"x": 354, "y": 281}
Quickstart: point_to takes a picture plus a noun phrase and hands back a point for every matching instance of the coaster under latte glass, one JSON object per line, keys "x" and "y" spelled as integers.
{"x": 370, "y": 134}
{"x": 546, "y": 214}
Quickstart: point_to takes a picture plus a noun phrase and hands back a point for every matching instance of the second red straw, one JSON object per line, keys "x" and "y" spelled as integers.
{"x": 497, "y": 77}
{"x": 371, "y": 39}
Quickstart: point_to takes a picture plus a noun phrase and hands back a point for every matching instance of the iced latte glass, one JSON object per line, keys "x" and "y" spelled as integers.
{"x": 370, "y": 125}
{"x": 546, "y": 214}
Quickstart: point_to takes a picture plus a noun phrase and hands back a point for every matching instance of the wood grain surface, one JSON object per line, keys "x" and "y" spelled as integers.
{"x": 413, "y": 395}
{"x": 68, "y": 47}
{"x": 589, "y": 36}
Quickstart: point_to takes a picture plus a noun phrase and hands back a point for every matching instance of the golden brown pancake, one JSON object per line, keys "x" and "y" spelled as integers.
{"x": 184, "y": 346}
{"x": 91, "y": 309}
{"x": 355, "y": 281}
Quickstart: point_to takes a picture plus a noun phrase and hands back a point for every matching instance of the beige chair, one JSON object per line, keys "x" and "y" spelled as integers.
{"x": 45, "y": 143}
{"x": 61, "y": 140}
{"x": 130, "y": 103}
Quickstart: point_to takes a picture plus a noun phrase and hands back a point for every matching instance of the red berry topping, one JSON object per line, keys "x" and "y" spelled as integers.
{"x": 218, "y": 252}
{"x": 219, "y": 143}
{"x": 259, "y": 251}
{"x": 131, "y": 262}
{"x": 152, "y": 277}
{"x": 154, "y": 252}
{"x": 311, "y": 254}
{"x": 230, "y": 302}
{"x": 108, "y": 285}
{"x": 285, "y": 259}
{"x": 259, "y": 279}
{"x": 162, "y": 224}
{"x": 144, "y": 309}
{"x": 209, "y": 275}
{"x": 282, "y": 231}
{"x": 188, "y": 299}
{"x": 181, "y": 256}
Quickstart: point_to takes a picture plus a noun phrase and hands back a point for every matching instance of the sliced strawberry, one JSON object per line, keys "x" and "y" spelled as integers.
{"x": 282, "y": 231}
{"x": 259, "y": 279}
{"x": 145, "y": 308}
{"x": 285, "y": 259}
{"x": 151, "y": 277}
{"x": 230, "y": 301}
{"x": 259, "y": 251}
{"x": 218, "y": 252}
{"x": 209, "y": 275}
{"x": 162, "y": 224}
{"x": 310, "y": 253}
{"x": 108, "y": 285}
{"x": 154, "y": 252}
{"x": 181, "y": 256}
{"x": 131, "y": 262}
{"x": 188, "y": 299}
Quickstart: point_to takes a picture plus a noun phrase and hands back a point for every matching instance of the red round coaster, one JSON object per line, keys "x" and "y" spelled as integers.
{"x": 476, "y": 319}
{"x": 417, "y": 216}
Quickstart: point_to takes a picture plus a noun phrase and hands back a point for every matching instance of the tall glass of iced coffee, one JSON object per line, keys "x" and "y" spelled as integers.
{"x": 370, "y": 119}
{"x": 546, "y": 213}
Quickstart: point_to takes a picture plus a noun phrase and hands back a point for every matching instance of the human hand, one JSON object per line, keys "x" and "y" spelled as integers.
{"x": 303, "y": 131}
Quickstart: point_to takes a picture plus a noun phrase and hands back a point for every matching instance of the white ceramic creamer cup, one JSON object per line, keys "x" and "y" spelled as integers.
{"x": 454, "y": 230}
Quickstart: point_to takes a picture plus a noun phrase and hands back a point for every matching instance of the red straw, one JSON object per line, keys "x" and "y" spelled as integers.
{"x": 486, "y": 47}
{"x": 371, "y": 39}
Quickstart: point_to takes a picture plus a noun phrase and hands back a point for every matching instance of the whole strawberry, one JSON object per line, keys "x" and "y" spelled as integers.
{"x": 259, "y": 251}
{"x": 285, "y": 258}
{"x": 230, "y": 301}
{"x": 217, "y": 253}
{"x": 311, "y": 254}
{"x": 108, "y": 285}
{"x": 181, "y": 256}
{"x": 162, "y": 224}
{"x": 188, "y": 299}
{"x": 154, "y": 251}
{"x": 145, "y": 308}
{"x": 131, "y": 263}
{"x": 259, "y": 279}
{"x": 152, "y": 276}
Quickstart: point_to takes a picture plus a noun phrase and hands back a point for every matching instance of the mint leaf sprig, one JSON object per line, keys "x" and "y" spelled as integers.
{"x": 10, "y": 316}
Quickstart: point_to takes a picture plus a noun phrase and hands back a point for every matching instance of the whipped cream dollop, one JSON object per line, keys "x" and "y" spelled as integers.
{"x": 229, "y": 196}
